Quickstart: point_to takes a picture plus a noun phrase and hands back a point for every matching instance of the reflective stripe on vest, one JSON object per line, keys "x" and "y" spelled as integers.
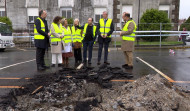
{"x": 67, "y": 35}
{"x": 76, "y": 34}
{"x": 105, "y": 28}
{"x": 58, "y": 31}
{"x": 130, "y": 37}
{"x": 36, "y": 34}
{"x": 85, "y": 28}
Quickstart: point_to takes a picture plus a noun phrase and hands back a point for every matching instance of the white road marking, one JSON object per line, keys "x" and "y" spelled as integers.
{"x": 17, "y": 64}
{"x": 158, "y": 71}
{"x": 22, "y": 49}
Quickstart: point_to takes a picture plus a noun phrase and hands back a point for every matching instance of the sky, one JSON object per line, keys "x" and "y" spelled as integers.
{"x": 184, "y": 9}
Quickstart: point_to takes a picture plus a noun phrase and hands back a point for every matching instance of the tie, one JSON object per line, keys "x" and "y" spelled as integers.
{"x": 105, "y": 21}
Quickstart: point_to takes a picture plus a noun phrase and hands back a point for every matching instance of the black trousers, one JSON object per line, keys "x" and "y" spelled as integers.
{"x": 40, "y": 53}
{"x": 106, "y": 45}
{"x": 87, "y": 46}
{"x": 78, "y": 55}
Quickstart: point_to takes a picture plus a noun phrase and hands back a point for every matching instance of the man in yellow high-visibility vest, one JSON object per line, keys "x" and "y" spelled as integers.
{"x": 105, "y": 28}
{"x": 128, "y": 38}
{"x": 89, "y": 37}
{"x": 41, "y": 37}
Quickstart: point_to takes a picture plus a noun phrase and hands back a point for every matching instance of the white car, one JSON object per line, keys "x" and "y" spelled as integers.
{"x": 6, "y": 38}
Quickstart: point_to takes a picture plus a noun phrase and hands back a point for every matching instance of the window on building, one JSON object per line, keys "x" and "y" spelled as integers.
{"x": 98, "y": 17}
{"x": 32, "y": 14}
{"x": 98, "y": 14}
{"x": 32, "y": 19}
{"x": 165, "y": 8}
{"x": 2, "y": 12}
{"x": 67, "y": 13}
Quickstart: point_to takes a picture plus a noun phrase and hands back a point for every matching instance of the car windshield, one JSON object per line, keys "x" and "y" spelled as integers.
{"x": 4, "y": 28}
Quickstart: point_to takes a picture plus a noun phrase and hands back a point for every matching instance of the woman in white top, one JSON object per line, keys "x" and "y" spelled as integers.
{"x": 67, "y": 52}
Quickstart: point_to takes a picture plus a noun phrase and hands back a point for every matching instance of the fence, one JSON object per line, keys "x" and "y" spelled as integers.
{"x": 162, "y": 31}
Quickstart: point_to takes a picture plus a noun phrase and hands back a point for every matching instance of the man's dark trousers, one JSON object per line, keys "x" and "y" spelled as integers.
{"x": 87, "y": 45}
{"x": 40, "y": 53}
{"x": 105, "y": 45}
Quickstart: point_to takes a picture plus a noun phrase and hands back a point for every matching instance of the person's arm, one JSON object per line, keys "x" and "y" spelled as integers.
{"x": 38, "y": 27}
{"x": 96, "y": 33}
{"x": 82, "y": 27}
{"x": 98, "y": 29}
{"x": 130, "y": 29}
{"x": 54, "y": 33}
{"x": 111, "y": 29}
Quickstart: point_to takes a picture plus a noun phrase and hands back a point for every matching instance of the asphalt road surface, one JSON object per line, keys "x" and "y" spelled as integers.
{"x": 17, "y": 65}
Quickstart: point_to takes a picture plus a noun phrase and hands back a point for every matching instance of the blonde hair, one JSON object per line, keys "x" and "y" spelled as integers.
{"x": 63, "y": 21}
{"x": 76, "y": 20}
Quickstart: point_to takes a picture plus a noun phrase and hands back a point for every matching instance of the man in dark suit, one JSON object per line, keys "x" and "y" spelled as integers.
{"x": 104, "y": 29}
{"x": 41, "y": 37}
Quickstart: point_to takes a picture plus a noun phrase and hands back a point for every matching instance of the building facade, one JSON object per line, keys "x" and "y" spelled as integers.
{"x": 24, "y": 12}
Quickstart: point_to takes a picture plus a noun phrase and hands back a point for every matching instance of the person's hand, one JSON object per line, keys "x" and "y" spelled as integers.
{"x": 49, "y": 34}
{"x": 120, "y": 34}
{"x": 105, "y": 35}
{"x": 102, "y": 35}
{"x": 61, "y": 36}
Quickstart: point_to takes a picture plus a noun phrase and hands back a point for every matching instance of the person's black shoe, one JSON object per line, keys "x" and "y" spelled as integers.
{"x": 129, "y": 67}
{"x": 98, "y": 63}
{"x": 76, "y": 62}
{"x": 107, "y": 63}
{"x": 60, "y": 65}
{"x": 89, "y": 62}
{"x": 53, "y": 65}
{"x": 46, "y": 67}
{"x": 40, "y": 68}
{"x": 125, "y": 65}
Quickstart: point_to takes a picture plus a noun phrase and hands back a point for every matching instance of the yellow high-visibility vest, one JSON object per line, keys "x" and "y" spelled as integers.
{"x": 36, "y": 34}
{"x": 130, "y": 37}
{"x": 67, "y": 35}
{"x": 85, "y": 28}
{"x": 105, "y": 28}
{"x": 76, "y": 34}
{"x": 58, "y": 30}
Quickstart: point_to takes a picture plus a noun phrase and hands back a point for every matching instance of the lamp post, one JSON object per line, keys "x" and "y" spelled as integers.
{"x": 138, "y": 20}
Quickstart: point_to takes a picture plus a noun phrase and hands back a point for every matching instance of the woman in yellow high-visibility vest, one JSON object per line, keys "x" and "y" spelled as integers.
{"x": 56, "y": 41}
{"x": 67, "y": 52}
{"x": 77, "y": 41}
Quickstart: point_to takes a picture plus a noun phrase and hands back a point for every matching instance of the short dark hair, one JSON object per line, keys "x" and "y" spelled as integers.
{"x": 56, "y": 19}
{"x": 41, "y": 12}
{"x": 127, "y": 15}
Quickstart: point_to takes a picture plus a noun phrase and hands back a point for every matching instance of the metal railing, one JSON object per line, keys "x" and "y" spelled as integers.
{"x": 28, "y": 33}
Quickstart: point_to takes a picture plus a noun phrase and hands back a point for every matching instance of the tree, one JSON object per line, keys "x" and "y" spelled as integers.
{"x": 7, "y": 21}
{"x": 151, "y": 20}
{"x": 186, "y": 25}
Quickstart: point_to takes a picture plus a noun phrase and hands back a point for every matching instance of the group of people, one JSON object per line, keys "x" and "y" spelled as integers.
{"x": 63, "y": 39}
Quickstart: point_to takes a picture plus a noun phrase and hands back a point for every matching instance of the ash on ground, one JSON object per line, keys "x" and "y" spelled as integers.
{"x": 90, "y": 89}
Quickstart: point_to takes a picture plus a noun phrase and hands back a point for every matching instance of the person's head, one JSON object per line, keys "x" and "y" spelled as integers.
{"x": 64, "y": 22}
{"x": 42, "y": 14}
{"x": 57, "y": 20}
{"x": 90, "y": 21}
{"x": 126, "y": 16}
{"x": 184, "y": 29}
{"x": 76, "y": 22}
{"x": 105, "y": 15}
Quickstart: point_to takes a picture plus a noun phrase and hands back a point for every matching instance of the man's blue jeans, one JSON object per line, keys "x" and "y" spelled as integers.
{"x": 87, "y": 45}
